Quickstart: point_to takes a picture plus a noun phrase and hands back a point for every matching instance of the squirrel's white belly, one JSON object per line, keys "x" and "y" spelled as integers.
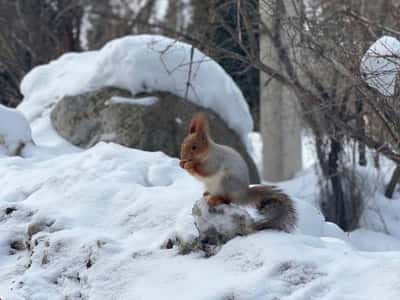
{"x": 213, "y": 183}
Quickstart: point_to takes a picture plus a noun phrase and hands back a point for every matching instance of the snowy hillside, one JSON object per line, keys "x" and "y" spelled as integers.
{"x": 93, "y": 224}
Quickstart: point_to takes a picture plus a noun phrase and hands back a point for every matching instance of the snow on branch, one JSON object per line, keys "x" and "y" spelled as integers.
{"x": 380, "y": 65}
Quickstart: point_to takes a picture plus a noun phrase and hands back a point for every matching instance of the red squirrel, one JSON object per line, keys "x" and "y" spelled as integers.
{"x": 225, "y": 176}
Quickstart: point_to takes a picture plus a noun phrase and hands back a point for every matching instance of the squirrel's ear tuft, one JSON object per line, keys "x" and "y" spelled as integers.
{"x": 192, "y": 126}
{"x": 199, "y": 124}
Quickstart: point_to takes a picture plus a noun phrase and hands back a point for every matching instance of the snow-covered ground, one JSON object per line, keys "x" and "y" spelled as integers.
{"x": 96, "y": 220}
{"x": 92, "y": 224}
{"x": 100, "y": 217}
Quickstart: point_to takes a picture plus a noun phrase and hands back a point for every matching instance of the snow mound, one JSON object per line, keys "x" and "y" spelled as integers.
{"x": 380, "y": 65}
{"x": 91, "y": 224}
{"x": 368, "y": 240}
{"x": 15, "y": 131}
{"x": 142, "y": 63}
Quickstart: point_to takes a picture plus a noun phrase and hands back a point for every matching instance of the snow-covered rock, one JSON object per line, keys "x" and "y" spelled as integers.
{"x": 217, "y": 225}
{"x": 15, "y": 131}
{"x": 143, "y": 63}
{"x": 381, "y": 64}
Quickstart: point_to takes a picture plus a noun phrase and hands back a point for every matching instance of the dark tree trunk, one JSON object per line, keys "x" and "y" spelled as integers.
{"x": 335, "y": 207}
{"x": 392, "y": 183}
{"x": 341, "y": 201}
{"x": 362, "y": 159}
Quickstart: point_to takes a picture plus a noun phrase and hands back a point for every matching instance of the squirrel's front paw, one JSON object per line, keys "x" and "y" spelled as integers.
{"x": 182, "y": 163}
{"x": 187, "y": 165}
{"x": 214, "y": 200}
{"x": 191, "y": 168}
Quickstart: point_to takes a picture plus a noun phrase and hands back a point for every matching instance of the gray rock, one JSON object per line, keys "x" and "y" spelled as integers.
{"x": 18, "y": 245}
{"x": 39, "y": 226}
{"x": 35, "y": 227}
{"x": 217, "y": 225}
{"x": 89, "y": 118}
{"x": 223, "y": 222}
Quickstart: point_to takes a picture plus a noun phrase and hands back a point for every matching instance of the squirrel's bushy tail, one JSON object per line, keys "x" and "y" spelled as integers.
{"x": 277, "y": 208}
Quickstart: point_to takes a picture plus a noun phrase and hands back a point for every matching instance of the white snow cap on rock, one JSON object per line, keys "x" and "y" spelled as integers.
{"x": 14, "y": 130}
{"x": 380, "y": 65}
{"x": 142, "y": 63}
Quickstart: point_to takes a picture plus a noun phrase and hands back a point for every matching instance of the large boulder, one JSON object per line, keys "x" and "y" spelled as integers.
{"x": 152, "y": 122}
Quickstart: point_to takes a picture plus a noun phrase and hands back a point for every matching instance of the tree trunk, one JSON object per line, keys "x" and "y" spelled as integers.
{"x": 280, "y": 126}
{"x": 362, "y": 159}
{"x": 392, "y": 183}
{"x": 334, "y": 209}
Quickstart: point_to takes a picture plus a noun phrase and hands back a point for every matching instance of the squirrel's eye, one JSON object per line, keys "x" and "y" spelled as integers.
{"x": 194, "y": 147}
